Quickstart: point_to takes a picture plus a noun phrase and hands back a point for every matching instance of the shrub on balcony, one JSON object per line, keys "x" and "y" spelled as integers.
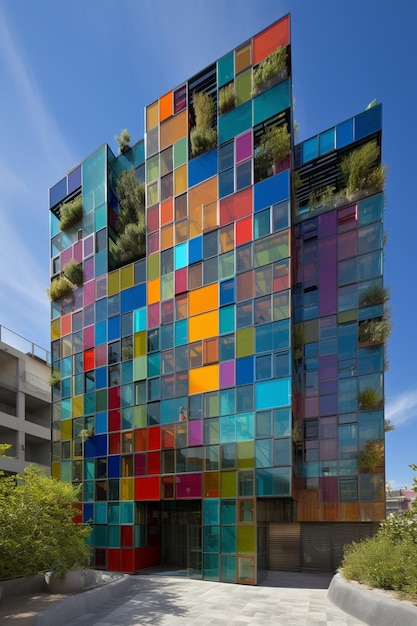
{"x": 226, "y": 98}
{"x": 372, "y": 455}
{"x": 55, "y": 378}
{"x": 274, "y": 146}
{"x": 130, "y": 243}
{"x": 361, "y": 169}
{"x": 374, "y": 294}
{"x": 275, "y": 63}
{"x": 60, "y": 287}
{"x": 123, "y": 140}
{"x": 71, "y": 213}
{"x": 375, "y": 330}
{"x": 74, "y": 272}
{"x": 370, "y": 399}
{"x": 202, "y": 136}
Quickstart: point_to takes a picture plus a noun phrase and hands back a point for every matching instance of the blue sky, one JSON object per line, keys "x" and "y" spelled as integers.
{"x": 74, "y": 74}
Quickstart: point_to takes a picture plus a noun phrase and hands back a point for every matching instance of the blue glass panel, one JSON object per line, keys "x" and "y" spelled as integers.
{"x": 227, "y": 319}
{"x": 101, "y": 423}
{"x": 100, "y": 333}
{"x": 74, "y": 179}
{"x": 58, "y": 192}
{"x": 101, "y": 377}
{"x": 244, "y": 370}
{"x": 195, "y": 249}
{"x": 139, "y": 320}
{"x": 133, "y": 298}
{"x": 272, "y": 393}
{"x": 310, "y": 149}
{"x": 66, "y": 367}
{"x": 225, "y": 69}
{"x": 368, "y": 122}
{"x": 347, "y": 396}
{"x": 370, "y": 265}
{"x": 180, "y": 256}
{"x": 282, "y": 451}
{"x": 371, "y": 359}
{"x": 88, "y": 512}
{"x": 211, "y": 511}
{"x": 202, "y": 168}
{"x": 66, "y": 387}
{"x": 154, "y": 364}
{"x": 271, "y": 191}
{"x": 95, "y": 446}
{"x": 226, "y": 183}
{"x": 371, "y": 209}
{"x": 273, "y": 482}
{"x": 227, "y": 292}
{"x": 181, "y": 332}
{"x": 228, "y": 543}
{"x": 101, "y": 310}
{"x": 114, "y": 328}
{"x": 271, "y": 102}
{"x": 327, "y": 141}
{"x": 235, "y": 122}
{"x": 344, "y": 133}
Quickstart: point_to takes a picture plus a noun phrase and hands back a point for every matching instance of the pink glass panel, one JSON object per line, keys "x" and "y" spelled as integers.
{"x": 78, "y": 251}
{"x": 88, "y": 337}
{"x": 328, "y": 488}
{"x": 152, "y": 218}
{"x": 327, "y": 224}
{"x": 227, "y": 374}
{"x": 181, "y": 280}
{"x": 195, "y": 433}
{"x": 189, "y": 486}
{"x": 153, "y": 243}
{"x": 101, "y": 355}
{"x": 328, "y": 449}
{"x": 244, "y": 147}
{"x": 153, "y": 315}
{"x": 89, "y": 293}
{"x": 66, "y": 256}
{"x": 311, "y": 407}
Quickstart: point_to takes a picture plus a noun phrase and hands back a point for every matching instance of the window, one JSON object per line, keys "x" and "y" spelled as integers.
{"x": 311, "y": 429}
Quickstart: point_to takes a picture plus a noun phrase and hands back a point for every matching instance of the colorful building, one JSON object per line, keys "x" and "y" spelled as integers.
{"x": 218, "y": 390}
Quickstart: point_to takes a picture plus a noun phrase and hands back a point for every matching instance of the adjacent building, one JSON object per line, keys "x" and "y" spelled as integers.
{"x": 25, "y": 403}
{"x": 221, "y": 391}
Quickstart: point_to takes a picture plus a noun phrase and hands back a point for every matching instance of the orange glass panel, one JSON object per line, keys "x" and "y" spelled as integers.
{"x": 227, "y": 238}
{"x": 236, "y": 206}
{"x": 180, "y": 179}
{"x": 167, "y": 211}
{"x": 66, "y": 324}
{"x": 204, "y": 299}
{"x": 211, "y": 484}
{"x": 210, "y": 350}
{"x": 203, "y": 326}
{"x": 242, "y": 58}
{"x": 330, "y": 511}
{"x": 165, "y": 106}
{"x": 154, "y": 291}
{"x": 372, "y": 511}
{"x": 200, "y": 195}
{"x": 204, "y": 379}
{"x": 210, "y": 216}
{"x": 152, "y": 116}
{"x": 174, "y": 129}
{"x": 244, "y": 230}
{"x": 167, "y": 237}
{"x": 270, "y": 39}
{"x": 348, "y": 512}
{"x": 308, "y": 507}
{"x": 140, "y": 440}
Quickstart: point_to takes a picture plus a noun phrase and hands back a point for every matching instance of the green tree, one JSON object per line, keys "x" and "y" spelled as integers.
{"x": 131, "y": 237}
{"x": 4, "y": 448}
{"x": 37, "y": 532}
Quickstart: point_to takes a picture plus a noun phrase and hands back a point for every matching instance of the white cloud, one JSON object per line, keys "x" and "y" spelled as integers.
{"x": 402, "y": 408}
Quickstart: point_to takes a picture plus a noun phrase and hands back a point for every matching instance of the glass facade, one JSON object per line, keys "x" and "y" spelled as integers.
{"x": 213, "y": 385}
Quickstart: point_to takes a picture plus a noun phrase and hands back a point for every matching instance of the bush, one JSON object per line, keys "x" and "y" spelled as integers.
{"x": 375, "y": 330}
{"x": 374, "y": 294}
{"x": 37, "y": 532}
{"x": 271, "y": 66}
{"x": 370, "y": 400}
{"x": 274, "y": 146}
{"x": 202, "y": 139}
{"x": 123, "y": 140}
{"x": 372, "y": 456}
{"x": 202, "y": 136}
{"x": 361, "y": 170}
{"x": 74, "y": 272}
{"x": 130, "y": 243}
{"x": 226, "y": 98}
{"x": 55, "y": 378}
{"x": 71, "y": 213}
{"x": 60, "y": 287}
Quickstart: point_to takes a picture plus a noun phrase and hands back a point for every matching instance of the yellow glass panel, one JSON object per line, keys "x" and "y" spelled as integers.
{"x": 244, "y": 342}
{"x": 210, "y": 216}
{"x": 204, "y": 379}
{"x": 66, "y": 429}
{"x": 242, "y": 58}
{"x": 200, "y": 195}
{"x": 203, "y": 326}
{"x": 153, "y": 266}
{"x": 246, "y": 539}
{"x": 154, "y": 288}
{"x": 77, "y": 406}
{"x": 152, "y": 194}
{"x": 152, "y": 116}
{"x": 245, "y": 454}
{"x": 55, "y": 329}
{"x": 211, "y": 484}
{"x": 227, "y": 238}
{"x": 167, "y": 237}
{"x": 165, "y": 106}
{"x": 203, "y": 299}
{"x": 244, "y": 87}
{"x": 140, "y": 343}
{"x": 174, "y": 129}
{"x": 180, "y": 179}
{"x": 126, "y": 277}
{"x": 56, "y": 471}
{"x": 113, "y": 283}
{"x": 228, "y": 484}
{"x": 126, "y": 488}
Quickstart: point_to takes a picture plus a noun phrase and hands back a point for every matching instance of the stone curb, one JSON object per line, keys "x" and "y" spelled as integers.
{"x": 373, "y": 608}
{"x": 75, "y": 606}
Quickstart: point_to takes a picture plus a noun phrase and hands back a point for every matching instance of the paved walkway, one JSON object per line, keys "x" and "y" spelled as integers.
{"x": 293, "y": 599}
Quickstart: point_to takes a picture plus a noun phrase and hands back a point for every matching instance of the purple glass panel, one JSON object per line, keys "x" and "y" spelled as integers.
{"x": 88, "y": 337}
{"x": 327, "y": 224}
{"x": 189, "y": 486}
{"x": 328, "y": 276}
{"x": 347, "y": 245}
{"x": 88, "y": 246}
{"x": 227, "y": 374}
{"x": 328, "y": 367}
{"x": 74, "y": 179}
{"x": 89, "y": 293}
{"x": 140, "y": 464}
{"x": 78, "y": 251}
{"x": 328, "y": 405}
{"x": 77, "y": 299}
{"x": 328, "y": 449}
{"x": 153, "y": 243}
{"x": 328, "y": 488}
{"x": 244, "y": 147}
{"x": 328, "y": 387}
{"x": 66, "y": 256}
{"x": 311, "y": 407}
{"x": 180, "y": 99}
{"x": 195, "y": 433}
{"x": 88, "y": 269}
{"x": 153, "y": 315}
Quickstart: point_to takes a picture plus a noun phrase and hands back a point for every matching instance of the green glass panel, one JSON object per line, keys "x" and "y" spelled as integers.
{"x": 126, "y": 512}
{"x": 225, "y": 69}
{"x": 180, "y": 152}
{"x": 152, "y": 169}
{"x": 246, "y": 511}
{"x": 228, "y": 571}
{"x": 271, "y": 249}
{"x": 243, "y": 87}
{"x": 100, "y": 535}
{"x": 228, "y": 512}
{"x": 211, "y": 404}
{"x": 100, "y": 217}
{"x": 167, "y": 286}
{"x": 211, "y": 511}
{"x": 152, "y": 194}
{"x": 271, "y": 102}
{"x": 246, "y": 539}
{"x": 153, "y": 266}
{"x": 228, "y": 543}
{"x": 100, "y": 513}
{"x": 101, "y": 400}
{"x": 245, "y": 454}
{"x": 211, "y": 431}
{"x": 66, "y": 471}
{"x": 227, "y": 265}
{"x": 211, "y": 538}
{"x": 114, "y": 536}
{"x": 235, "y": 122}
{"x": 245, "y": 342}
{"x": 139, "y": 416}
{"x": 228, "y": 484}
{"x": 139, "y": 368}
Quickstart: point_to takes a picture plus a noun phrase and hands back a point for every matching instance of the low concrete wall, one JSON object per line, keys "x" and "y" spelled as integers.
{"x": 371, "y": 606}
{"x": 20, "y": 586}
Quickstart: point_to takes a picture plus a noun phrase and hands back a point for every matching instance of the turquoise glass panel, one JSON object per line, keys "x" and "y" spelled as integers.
{"x": 211, "y": 567}
{"x": 94, "y": 174}
{"x": 272, "y": 394}
{"x": 89, "y": 403}
{"x": 88, "y": 490}
{"x": 89, "y": 469}
{"x": 327, "y": 141}
{"x": 271, "y": 102}
{"x": 263, "y": 453}
{"x": 53, "y": 225}
{"x": 139, "y": 320}
{"x": 245, "y": 427}
{"x": 127, "y": 372}
{"x": 154, "y": 364}
{"x": 66, "y": 387}
{"x": 344, "y": 133}
{"x": 310, "y": 149}
{"x": 227, "y": 402}
{"x": 227, "y": 319}
{"x": 180, "y": 256}
{"x": 211, "y": 511}
{"x": 66, "y": 409}
{"x": 126, "y": 512}
{"x": 235, "y": 122}
{"x": 275, "y": 481}
{"x": 370, "y": 209}
{"x": 370, "y": 265}
{"x": 228, "y": 540}
{"x": 113, "y": 513}
{"x": 228, "y": 569}
{"x": 133, "y": 157}
{"x": 228, "y": 512}
{"x": 140, "y": 536}
{"x": 66, "y": 367}
{"x": 100, "y": 535}
{"x": 100, "y": 513}
{"x": 211, "y": 538}
{"x": 100, "y": 263}
{"x": 225, "y": 69}
{"x": 227, "y": 428}
{"x": 282, "y": 422}
{"x": 181, "y": 332}
{"x": 114, "y": 536}
{"x": 100, "y": 217}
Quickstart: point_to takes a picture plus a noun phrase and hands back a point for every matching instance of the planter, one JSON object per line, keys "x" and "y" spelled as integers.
{"x": 271, "y": 82}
